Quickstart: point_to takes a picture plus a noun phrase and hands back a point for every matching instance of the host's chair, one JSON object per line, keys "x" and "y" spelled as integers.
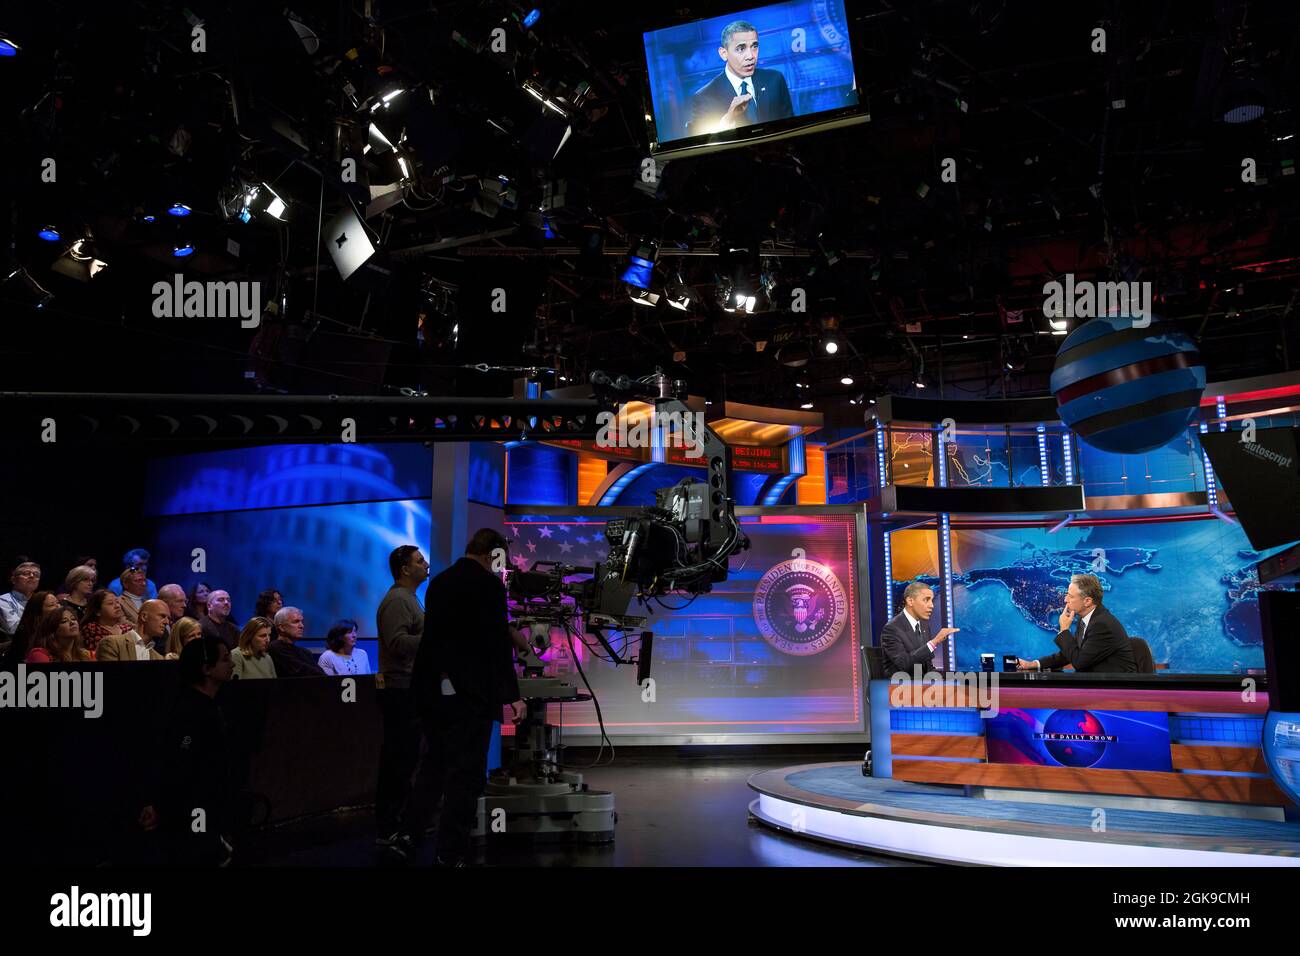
{"x": 1146, "y": 662}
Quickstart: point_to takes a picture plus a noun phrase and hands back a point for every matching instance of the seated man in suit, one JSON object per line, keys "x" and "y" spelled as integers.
{"x": 142, "y": 644}
{"x": 905, "y": 641}
{"x": 1100, "y": 645}
{"x": 741, "y": 94}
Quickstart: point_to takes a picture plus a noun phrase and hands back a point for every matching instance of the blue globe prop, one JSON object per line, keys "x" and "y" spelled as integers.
{"x": 1074, "y": 753}
{"x": 1281, "y": 740}
{"x": 1126, "y": 389}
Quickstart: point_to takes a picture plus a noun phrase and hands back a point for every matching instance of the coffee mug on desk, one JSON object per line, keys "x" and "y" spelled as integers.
{"x": 986, "y": 663}
{"x": 1009, "y": 662}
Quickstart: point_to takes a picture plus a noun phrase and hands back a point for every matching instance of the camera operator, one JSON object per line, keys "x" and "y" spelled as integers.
{"x": 464, "y": 674}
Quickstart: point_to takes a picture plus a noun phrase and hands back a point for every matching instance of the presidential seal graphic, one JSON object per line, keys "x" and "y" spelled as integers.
{"x": 801, "y": 607}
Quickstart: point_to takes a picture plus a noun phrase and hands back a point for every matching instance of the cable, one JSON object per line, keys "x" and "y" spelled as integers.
{"x": 600, "y": 717}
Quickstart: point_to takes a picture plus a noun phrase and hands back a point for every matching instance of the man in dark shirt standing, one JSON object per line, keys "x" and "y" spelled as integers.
{"x": 464, "y": 675}
{"x": 290, "y": 659}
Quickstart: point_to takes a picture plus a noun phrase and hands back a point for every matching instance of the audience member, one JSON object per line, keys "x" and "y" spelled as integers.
{"x": 78, "y": 588}
{"x": 251, "y": 658}
{"x": 38, "y": 605}
{"x": 25, "y": 579}
{"x": 197, "y": 607}
{"x": 180, "y": 634}
{"x": 174, "y": 595}
{"x": 218, "y": 623}
{"x": 196, "y": 762}
{"x": 142, "y": 642}
{"x": 103, "y": 618}
{"x": 136, "y": 558}
{"x": 133, "y": 592}
{"x": 269, "y": 603}
{"x": 342, "y": 657}
{"x": 58, "y": 639}
{"x": 290, "y": 659}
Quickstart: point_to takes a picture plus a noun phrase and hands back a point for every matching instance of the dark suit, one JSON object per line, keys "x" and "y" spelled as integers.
{"x": 771, "y": 101}
{"x": 467, "y": 639}
{"x": 902, "y": 648}
{"x": 1105, "y": 648}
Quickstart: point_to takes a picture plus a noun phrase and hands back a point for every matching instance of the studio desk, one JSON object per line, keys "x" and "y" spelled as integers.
{"x": 1154, "y": 736}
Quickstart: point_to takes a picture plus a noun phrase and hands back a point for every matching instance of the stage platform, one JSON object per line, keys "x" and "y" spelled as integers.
{"x": 834, "y": 803}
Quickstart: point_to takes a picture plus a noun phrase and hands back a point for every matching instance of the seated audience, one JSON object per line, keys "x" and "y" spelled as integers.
{"x": 38, "y": 605}
{"x": 269, "y": 603}
{"x": 141, "y": 643}
{"x": 252, "y": 658}
{"x": 218, "y": 623}
{"x": 343, "y": 657}
{"x": 174, "y": 595}
{"x": 290, "y": 659}
{"x": 25, "y": 579}
{"x": 78, "y": 588}
{"x": 136, "y": 558}
{"x": 132, "y": 593}
{"x": 58, "y": 639}
{"x": 181, "y": 633}
{"x": 103, "y": 618}
{"x": 197, "y": 607}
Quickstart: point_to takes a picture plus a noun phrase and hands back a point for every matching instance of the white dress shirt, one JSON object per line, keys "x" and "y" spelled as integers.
{"x": 913, "y": 622}
{"x": 748, "y": 81}
{"x": 142, "y": 647}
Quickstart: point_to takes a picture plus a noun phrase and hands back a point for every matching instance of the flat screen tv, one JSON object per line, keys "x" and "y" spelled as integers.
{"x": 751, "y": 75}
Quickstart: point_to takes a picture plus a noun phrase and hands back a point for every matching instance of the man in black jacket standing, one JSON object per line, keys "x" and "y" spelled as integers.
{"x": 464, "y": 675}
{"x": 1100, "y": 645}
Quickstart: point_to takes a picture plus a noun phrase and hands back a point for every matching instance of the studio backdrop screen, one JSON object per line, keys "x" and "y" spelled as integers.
{"x": 773, "y": 649}
{"x": 803, "y": 68}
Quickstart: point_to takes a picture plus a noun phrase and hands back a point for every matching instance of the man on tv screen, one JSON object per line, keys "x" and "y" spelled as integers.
{"x": 742, "y": 93}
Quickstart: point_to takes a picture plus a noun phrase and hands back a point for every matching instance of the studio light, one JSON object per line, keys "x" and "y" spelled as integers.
{"x": 643, "y": 297}
{"x": 641, "y": 263}
{"x": 846, "y": 380}
{"x": 384, "y": 99}
{"x": 19, "y": 286}
{"x": 79, "y": 261}
{"x": 678, "y": 293}
{"x": 182, "y": 249}
{"x": 49, "y": 234}
{"x": 179, "y": 209}
{"x": 806, "y": 405}
{"x": 8, "y": 47}
{"x": 830, "y": 345}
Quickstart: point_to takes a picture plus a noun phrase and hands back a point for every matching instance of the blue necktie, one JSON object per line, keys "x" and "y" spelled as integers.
{"x": 744, "y": 90}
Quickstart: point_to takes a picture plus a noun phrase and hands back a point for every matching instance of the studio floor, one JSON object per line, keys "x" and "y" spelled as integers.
{"x": 673, "y": 810}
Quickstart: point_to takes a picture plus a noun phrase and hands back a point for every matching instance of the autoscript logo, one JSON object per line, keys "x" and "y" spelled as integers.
{"x": 1267, "y": 454}
{"x": 76, "y": 909}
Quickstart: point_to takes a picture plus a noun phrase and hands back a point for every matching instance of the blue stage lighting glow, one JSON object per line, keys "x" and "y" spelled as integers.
{"x": 49, "y": 234}
{"x": 533, "y": 16}
{"x": 179, "y": 209}
{"x": 638, "y": 273}
{"x": 148, "y": 218}
{"x": 8, "y": 47}
{"x": 184, "y": 249}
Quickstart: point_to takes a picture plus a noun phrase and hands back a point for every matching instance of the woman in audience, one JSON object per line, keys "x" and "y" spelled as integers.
{"x": 103, "y": 618}
{"x": 197, "y": 606}
{"x": 78, "y": 588}
{"x": 38, "y": 605}
{"x": 182, "y": 632}
{"x": 250, "y": 658}
{"x": 344, "y": 658}
{"x": 268, "y": 602}
{"x": 58, "y": 639}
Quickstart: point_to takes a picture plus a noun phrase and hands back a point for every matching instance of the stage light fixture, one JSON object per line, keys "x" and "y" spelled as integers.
{"x": 19, "y": 286}
{"x": 830, "y": 345}
{"x": 383, "y": 100}
{"x": 846, "y": 380}
{"x": 806, "y": 405}
{"x": 179, "y": 209}
{"x": 49, "y": 234}
{"x": 79, "y": 261}
{"x": 182, "y": 249}
{"x": 679, "y": 294}
{"x": 531, "y": 18}
{"x": 8, "y": 47}
{"x": 641, "y": 263}
{"x": 643, "y": 297}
